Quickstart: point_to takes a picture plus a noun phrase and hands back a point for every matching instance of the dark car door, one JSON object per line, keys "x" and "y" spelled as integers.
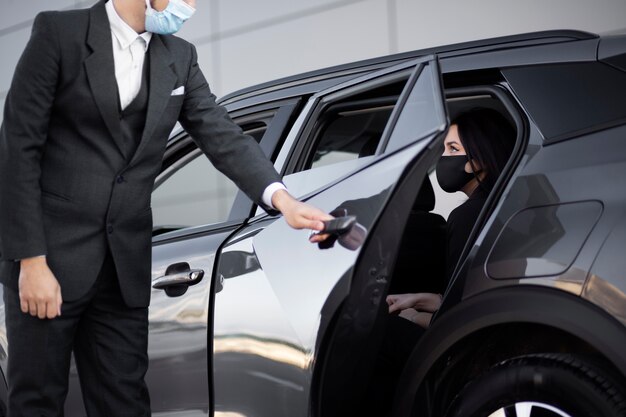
{"x": 178, "y": 373}
{"x": 275, "y": 288}
{"x": 195, "y": 208}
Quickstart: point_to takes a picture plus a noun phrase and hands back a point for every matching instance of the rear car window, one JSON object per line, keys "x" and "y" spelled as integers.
{"x": 569, "y": 100}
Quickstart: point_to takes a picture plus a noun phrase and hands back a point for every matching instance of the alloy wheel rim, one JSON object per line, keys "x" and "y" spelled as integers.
{"x": 529, "y": 409}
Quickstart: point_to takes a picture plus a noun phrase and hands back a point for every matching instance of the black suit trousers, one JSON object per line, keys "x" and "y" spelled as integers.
{"x": 109, "y": 341}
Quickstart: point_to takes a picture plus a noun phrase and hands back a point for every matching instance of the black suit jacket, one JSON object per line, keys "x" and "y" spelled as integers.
{"x": 66, "y": 189}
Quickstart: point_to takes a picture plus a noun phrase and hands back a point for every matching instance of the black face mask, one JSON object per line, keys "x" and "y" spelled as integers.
{"x": 451, "y": 173}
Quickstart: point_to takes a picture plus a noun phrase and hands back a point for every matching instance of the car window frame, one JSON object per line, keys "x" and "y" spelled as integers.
{"x": 353, "y": 86}
{"x": 410, "y": 70}
{"x": 434, "y": 68}
{"x": 328, "y": 117}
{"x": 503, "y": 93}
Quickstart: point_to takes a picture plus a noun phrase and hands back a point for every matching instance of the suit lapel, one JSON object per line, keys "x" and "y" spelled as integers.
{"x": 162, "y": 81}
{"x": 100, "y": 70}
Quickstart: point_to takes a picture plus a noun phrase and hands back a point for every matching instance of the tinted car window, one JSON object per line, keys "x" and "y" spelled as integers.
{"x": 418, "y": 115}
{"x": 353, "y": 128}
{"x": 350, "y": 135}
{"x": 351, "y": 122}
{"x": 570, "y": 100}
{"x": 194, "y": 192}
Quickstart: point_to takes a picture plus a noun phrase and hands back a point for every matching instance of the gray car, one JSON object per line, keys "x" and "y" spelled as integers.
{"x": 248, "y": 318}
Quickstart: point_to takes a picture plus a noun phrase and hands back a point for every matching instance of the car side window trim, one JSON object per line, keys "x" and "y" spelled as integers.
{"x": 428, "y": 68}
{"x": 510, "y": 170}
{"x": 289, "y": 156}
{"x": 194, "y": 231}
{"x": 408, "y": 70}
{"x": 321, "y": 101}
{"x": 270, "y": 143}
{"x": 333, "y": 115}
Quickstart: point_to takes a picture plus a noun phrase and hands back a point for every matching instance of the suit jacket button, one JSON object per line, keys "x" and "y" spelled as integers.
{"x": 120, "y": 179}
{"x": 110, "y": 228}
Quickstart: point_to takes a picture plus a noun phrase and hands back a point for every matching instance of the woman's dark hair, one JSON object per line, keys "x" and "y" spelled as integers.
{"x": 488, "y": 138}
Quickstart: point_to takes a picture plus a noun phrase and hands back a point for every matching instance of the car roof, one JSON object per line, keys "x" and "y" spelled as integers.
{"x": 314, "y": 81}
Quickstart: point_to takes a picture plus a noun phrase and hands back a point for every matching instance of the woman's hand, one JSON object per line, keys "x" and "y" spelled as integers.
{"x": 420, "y": 318}
{"x": 423, "y": 301}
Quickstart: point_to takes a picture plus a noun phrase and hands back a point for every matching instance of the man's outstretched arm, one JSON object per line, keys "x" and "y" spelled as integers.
{"x": 238, "y": 155}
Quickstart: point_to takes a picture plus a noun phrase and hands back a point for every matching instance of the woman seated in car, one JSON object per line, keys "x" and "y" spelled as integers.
{"x": 476, "y": 149}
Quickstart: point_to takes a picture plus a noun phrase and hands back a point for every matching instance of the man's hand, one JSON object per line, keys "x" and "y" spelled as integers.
{"x": 300, "y": 215}
{"x": 40, "y": 292}
{"x": 421, "y": 302}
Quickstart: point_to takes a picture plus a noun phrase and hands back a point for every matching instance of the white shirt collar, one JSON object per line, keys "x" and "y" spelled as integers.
{"x": 124, "y": 34}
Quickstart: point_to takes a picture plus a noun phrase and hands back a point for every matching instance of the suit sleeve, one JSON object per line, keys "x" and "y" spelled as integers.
{"x": 22, "y": 139}
{"x": 232, "y": 152}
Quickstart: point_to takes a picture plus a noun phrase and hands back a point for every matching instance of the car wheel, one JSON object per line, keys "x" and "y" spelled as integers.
{"x": 546, "y": 385}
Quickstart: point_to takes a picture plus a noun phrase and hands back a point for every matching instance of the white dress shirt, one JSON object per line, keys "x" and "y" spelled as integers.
{"x": 129, "y": 51}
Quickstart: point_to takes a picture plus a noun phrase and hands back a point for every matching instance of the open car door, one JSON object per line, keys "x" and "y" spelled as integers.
{"x": 276, "y": 294}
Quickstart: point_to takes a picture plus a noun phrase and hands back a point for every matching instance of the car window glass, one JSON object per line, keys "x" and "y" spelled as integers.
{"x": 419, "y": 114}
{"x": 350, "y": 135}
{"x": 351, "y": 125}
{"x": 569, "y": 100}
{"x": 195, "y": 192}
{"x": 399, "y": 106}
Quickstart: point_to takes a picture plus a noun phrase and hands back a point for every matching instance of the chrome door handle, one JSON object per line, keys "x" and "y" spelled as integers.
{"x": 189, "y": 277}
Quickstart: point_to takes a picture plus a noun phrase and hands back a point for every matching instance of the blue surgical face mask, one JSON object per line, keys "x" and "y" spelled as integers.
{"x": 170, "y": 20}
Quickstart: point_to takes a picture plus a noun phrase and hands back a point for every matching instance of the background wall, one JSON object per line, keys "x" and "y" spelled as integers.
{"x": 244, "y": 42}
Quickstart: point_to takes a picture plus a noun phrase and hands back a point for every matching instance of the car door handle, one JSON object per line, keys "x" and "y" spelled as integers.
{"x": 343, "y": 228}
{"x": 186, "y": 278}
{"x": 339, "y": 225}
{"x": 219, "y": 285}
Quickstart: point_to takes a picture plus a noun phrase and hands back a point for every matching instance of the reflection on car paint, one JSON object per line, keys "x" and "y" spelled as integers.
{"x": 604, "y": 293}
{"x": 273, "y": 350}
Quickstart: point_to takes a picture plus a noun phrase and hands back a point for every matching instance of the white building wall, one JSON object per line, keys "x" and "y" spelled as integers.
{"x": 244, "y": 42}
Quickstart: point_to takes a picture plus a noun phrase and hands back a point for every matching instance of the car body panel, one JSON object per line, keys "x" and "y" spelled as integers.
{"x": 542, "y": 181}
{"x": 178, "y": 345}
{"x": 606, "y": 285}
{"x": 612, "y": 50}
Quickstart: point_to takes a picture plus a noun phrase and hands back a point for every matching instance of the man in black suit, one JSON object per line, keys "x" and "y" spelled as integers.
{"x": 86, "y": 123}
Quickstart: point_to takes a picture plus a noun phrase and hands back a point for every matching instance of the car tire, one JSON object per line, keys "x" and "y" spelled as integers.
{"x": 545, "y": 385}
